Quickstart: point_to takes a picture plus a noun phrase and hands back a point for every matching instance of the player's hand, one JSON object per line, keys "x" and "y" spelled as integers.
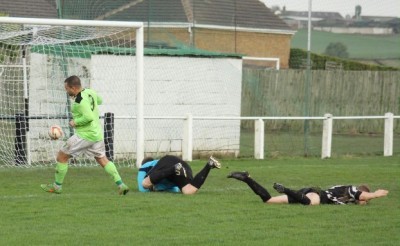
{"x": 381, "y": 193}
{"x": 72, "y": 123}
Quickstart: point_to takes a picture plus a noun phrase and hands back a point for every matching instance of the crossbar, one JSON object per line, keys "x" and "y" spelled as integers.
{"x": 68, "y": 22}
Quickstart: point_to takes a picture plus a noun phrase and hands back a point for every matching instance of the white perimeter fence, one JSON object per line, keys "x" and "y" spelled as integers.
{"x": 187, "y": 142}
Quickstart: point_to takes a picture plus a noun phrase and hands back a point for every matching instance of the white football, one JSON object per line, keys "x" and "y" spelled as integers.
{"x": 55, "y": 132}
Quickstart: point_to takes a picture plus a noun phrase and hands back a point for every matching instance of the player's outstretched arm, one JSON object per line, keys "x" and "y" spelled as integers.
{"x": 366, "y": 196}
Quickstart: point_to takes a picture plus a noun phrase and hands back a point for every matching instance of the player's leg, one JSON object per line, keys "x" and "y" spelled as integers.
{"x": 183, "y": 182}
{"x": 182, "y": 177}
{"x": 98, "y": 150}
{"x": 282, "y": 199}
{"x": 61, "y": 171}
{"x": 201, "y": 177}
{"x": 257, "y": 188}
{"x": 111, "y": 170}
{"x": 166, "y": 166}
{"x": 306, "y": 196}
{"x": 73, "y": 147}
{"x": 189, "y": 189}
{"x": 314, "y": 198}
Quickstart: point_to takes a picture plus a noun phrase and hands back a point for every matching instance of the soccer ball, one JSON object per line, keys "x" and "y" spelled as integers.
{"x": 55, "y": 132}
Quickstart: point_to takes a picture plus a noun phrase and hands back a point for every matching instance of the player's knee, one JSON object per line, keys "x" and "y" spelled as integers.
{"x": 188, "y": 192}
{"x": 103, "y": 161}
{"x": 146, "y": 183}
{"x": 314, "y": 198}
{"x": 189, "y": 189}
{"x": 62, "y": 157}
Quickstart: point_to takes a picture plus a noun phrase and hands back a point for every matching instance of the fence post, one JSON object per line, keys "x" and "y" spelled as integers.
{"x": 20, "y": 139}
{"x": 109, "y": 135}
{"x": 388, "y": 139}
{"x": 327, "y": 137}
{"x": 187, "y": 142}
{"x": 259, "y": 139}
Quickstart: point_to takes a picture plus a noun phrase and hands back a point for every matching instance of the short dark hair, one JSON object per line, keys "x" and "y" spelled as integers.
{"x": 147, "y": 159}
{"x": 73, "y": 81}
{"x": 363, "y": 187}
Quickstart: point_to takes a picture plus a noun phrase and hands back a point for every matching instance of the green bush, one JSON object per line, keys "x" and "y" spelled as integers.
{"x": 298, "y": 61}
{"x": 337, "y": 49}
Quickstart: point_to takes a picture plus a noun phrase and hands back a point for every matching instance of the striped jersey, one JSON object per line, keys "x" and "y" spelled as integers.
{"x": 342, "y": 194}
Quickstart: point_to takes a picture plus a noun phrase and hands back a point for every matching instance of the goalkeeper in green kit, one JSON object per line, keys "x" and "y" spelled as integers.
{"x": 88, "y": 137}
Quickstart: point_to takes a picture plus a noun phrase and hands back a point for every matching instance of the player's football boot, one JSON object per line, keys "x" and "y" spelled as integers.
{"x": 123, "y": 189}
{"x": 51, "y": 188}
{"x": 213, "y": 163}
{"x": 279, "y": 187}
{"x": 180, "y": 170}
{"x": 239, "y": 175}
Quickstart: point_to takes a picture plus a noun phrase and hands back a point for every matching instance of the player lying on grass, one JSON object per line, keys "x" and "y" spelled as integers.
{"x": 172, "y": 174}
{"x": 88, "y": 137}
{"x": 340, "y": 194}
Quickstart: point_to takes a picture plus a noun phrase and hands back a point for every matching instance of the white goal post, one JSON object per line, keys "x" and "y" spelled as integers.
{"x": 276, "y": 60}
{"x": 36, "y": 55}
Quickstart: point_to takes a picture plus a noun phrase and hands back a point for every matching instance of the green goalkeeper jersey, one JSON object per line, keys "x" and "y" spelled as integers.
{"x": 85, "y": 112}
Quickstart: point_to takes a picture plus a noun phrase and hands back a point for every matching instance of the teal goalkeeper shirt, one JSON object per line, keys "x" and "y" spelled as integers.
{"x": 164, "y": 185}
{"x": 85, "y": 112}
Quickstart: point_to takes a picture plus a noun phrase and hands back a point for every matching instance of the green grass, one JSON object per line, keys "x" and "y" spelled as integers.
{"x": 224, "y": 212}
{"x": 359, "y": 46}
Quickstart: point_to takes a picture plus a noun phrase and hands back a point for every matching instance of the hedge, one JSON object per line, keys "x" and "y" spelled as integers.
{"x": 298, "y": 59}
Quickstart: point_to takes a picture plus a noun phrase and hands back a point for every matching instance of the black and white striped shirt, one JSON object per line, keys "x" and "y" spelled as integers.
{"x": 342, "y": 194}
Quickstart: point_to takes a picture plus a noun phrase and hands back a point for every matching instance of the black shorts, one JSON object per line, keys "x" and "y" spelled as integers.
{"x": 305, "y": 191}
{"x": 167, "y": 162}
{"x": 324, "y": 198}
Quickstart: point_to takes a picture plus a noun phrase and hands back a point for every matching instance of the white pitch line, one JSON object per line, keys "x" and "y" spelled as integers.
{"x": 18, "y": 197}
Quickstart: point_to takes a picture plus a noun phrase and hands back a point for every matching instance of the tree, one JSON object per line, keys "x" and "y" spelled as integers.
{"x": 337, "y": 49}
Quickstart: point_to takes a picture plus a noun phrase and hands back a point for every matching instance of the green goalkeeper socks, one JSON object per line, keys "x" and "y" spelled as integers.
{"x": 61, "y": 171}
{"x": 112, "y": 171}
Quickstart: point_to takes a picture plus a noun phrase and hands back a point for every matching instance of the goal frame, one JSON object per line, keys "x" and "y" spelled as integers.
{"x": 277, "y": 60}
{"x": 139, "y": 59}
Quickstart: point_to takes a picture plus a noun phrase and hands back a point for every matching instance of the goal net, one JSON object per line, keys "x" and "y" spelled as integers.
{"x": 36, "y": 55}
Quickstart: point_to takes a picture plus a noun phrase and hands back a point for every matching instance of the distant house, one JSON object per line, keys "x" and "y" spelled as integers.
{"x": 334, "y": 22}
{"x": 299, "y": 19}
{"x": 372, "y": 25}
{"x": 380, "y": 19}
{"x": 243, "y": 27}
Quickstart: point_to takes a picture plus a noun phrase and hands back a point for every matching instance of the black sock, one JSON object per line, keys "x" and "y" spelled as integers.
{"x": 199, "y": 179}
{"x": 258, "y": 189}
{"x": 297, "y": 196}
{"x": 161, "y": 174}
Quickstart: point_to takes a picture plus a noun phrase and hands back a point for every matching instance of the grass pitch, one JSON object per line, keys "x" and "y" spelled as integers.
{"x": 224, "y": 212}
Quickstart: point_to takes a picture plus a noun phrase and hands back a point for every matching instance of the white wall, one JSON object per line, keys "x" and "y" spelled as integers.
{"x": 173, "y": 86}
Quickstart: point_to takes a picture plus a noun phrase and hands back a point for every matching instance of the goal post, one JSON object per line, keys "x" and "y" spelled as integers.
{"x": 275, "y": 60}
{"x": 36, "y": 55}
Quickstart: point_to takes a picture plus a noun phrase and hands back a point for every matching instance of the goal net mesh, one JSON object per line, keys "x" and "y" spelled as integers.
{"x": 178, "y": 85}
{"x": 34, "y": 62}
